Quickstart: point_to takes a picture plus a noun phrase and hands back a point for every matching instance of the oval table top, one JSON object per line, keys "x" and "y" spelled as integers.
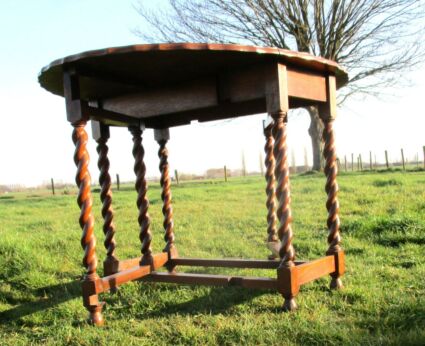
{"x": 150, "y": 65}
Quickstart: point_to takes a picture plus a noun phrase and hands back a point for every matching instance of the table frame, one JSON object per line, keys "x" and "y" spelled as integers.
{"x": 290, "y": 274}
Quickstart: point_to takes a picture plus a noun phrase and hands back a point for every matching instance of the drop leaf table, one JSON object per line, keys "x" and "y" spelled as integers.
{"x": 159, "y": 86}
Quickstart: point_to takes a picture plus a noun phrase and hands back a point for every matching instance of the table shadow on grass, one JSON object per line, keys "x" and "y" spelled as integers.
{"x": 217, "y": 300}
{"x": 45, "y": 298}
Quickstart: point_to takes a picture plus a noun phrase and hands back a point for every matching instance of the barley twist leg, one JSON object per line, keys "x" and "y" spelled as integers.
{"x": 270, "y": 188}
{"x": 106, "y": 199}
{"x": 145, "y": 234}
{"x": 332, "y": 204}
{"x": 286, "y": 252}
{"x": 88, "y": 240}
{"x": 167, "y": 209}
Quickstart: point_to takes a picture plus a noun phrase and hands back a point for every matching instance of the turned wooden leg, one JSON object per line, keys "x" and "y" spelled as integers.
{"x": 145, "y": 234}
{"x": 286, "y": 251}
{"x": 162, "y": 136}
{"x": 272, "y": 238}
{"x": 332, "y": 204}
{"x": 88, "y": 240}
{"x": 101, "y": 135}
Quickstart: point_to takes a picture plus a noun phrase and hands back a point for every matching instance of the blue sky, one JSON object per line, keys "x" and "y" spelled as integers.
{"x": 35, "y": 138}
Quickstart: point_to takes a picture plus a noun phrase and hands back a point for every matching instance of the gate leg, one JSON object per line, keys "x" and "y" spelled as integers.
{"x": 332, "y": 205}
{"x": 101, "y": 136}
{"x": 145, "y": 234}
{"x": 272, "y": 239}
{"x": 162, "y": 136}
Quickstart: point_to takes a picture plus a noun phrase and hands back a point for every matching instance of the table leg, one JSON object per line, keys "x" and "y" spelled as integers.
{"x": 88, "y": 240}
{"x": 270, "y": 190}
{"x": 332, "y": 204}
{"x": 286, "y": 251}
{"x": 101, "y": 135}
{"x": 162, "y": 136}
{"x": 145, "y": 234}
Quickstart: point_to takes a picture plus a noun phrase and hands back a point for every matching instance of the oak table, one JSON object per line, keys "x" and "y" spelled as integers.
{"x": 163, "y": 85}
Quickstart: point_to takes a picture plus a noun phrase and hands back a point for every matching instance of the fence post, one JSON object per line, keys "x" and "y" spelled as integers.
{"x": 53, "y": 186}
{"x": 225, "y": 173}
{"x": 118, "y": 182}
{"x": 424, "y": 154}
{"x": 176, "y": 175}
{"x": 261, "y": 164}
{"x": 370, "y": 160}
{"x": 243, "y": 164}
{"x": 293, "y": 162}
{"x": 386, "y": 159}
{"x": 345, "y": 162}
{"x": 402, "y": 159}
{"x": 305, "y": 160}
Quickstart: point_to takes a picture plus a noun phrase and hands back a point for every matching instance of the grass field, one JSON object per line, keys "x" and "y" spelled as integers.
{"x": 383, "y": 302}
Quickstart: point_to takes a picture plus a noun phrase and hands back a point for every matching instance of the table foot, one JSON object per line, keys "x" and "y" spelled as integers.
{"x": 172, "y": 254}
{"x": 336, "y": 284}
{"x": 95, "y": 316}
{"x": 289, "y": 304}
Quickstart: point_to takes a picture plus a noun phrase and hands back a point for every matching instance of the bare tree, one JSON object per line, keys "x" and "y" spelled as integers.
{"x": 376, "y": 40}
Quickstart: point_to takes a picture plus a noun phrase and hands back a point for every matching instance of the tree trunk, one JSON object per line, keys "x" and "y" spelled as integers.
{"x": 315, "y": 131}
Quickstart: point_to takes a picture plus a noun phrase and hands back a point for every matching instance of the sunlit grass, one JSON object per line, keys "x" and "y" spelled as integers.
{"x": 382, "y": 303}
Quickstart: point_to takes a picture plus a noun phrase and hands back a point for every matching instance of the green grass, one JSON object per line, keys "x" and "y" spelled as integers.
{"x": 383, "y": 301}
